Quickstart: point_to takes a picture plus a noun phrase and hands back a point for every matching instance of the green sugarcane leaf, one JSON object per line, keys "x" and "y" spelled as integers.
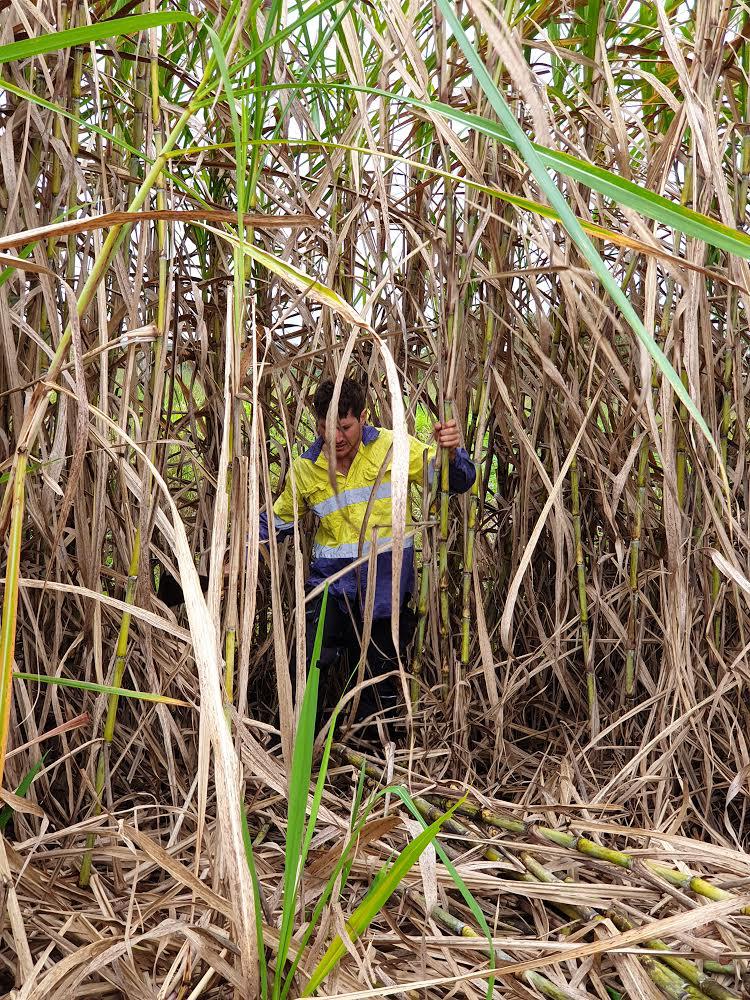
{"x": 346, "y": 854}
{"x": 309, "y": 287}
{"x": 69, "y": 682}
{"x": 6, "y": 812}
{"x": 55, "y": 40}
{"x": 311, "y": 12}
{"x": 375, "y": 900}
{"x": 402, "y": 793}
{"x": 299, "y": 785}
{"x": 623, "y": 192}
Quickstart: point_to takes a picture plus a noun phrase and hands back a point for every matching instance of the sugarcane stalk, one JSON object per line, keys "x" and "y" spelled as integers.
{"x": 10, "y": 603}
{"x": 445, "y": 651}
{"x": 583, "y": 603}
{"x": 635, "y": 548}
{"x": 560, "y": 838}
{"x": 726, "y": 411}
{"x": 590, "y": 849}
{"x": 479, "y": 427}
{"x": 539, "y": 873}
{"x": 75, "y": 102}
{"x": 428, "y": 498}
{"x": 139, "y": 131}
{"x": 462, "y": 929}
{"x": 692, "y": 982}
{"x": 156, "y": 402}
{"x": 230, "y": 647}
{"x": 669, "y": 982}
{"x": 686, "y": 970}
{"x": 39, "y": 402}
{"x": 453, "y": 307}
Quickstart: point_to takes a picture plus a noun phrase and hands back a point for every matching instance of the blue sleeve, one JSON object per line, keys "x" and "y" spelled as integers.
{"x": 461, "y": 472}
{"x": 283, "y": 528}
{"x": 263, "y": 526}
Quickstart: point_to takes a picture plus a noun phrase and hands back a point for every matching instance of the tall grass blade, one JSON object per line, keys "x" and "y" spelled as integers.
{"x": 299, "y": 785}
{"x": 57, "y": 40}
{"x": 375, "y": 900}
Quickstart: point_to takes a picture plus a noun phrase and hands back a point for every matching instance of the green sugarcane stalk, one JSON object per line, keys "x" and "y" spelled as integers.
{"x": 669, "y": 982}
{"x": 583, "y": 603}
{"x": 467, "y": 574}
{"x": 682, "y": 975}
{"x": 539, "y": 873}
{"x": 57, "y": 133}
{"x": 726, "y": 411}
{"x": 10, "y": 603}
{"x": 635, "y": 548}
{"x": 230, "y": 647}
{"x": 75, "y": 105}
{"x": 560, "y": 838}
{"x": 682, "y": 447}
{"x": 452, "y": 320}
{"x": 139, "y": 103}
{"x": 694, "y": 983}
{"x": 445, "y": 650}
{"x": 640, "y": 507}
{"x": 686, "y": 970}
{"x": 462, "y": 929}
{"x": 428, "y": 498}
{"x": 479, "y": 427}
{"x": 590, "y": 849}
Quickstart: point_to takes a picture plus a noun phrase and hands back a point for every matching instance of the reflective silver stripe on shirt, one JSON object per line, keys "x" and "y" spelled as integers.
{"x": 348, "y": 497}
{"x": 350, "y": 550}
{"x": 280, "y": 525}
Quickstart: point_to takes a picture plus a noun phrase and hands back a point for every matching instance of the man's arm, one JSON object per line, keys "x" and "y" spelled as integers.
{"x": 461, "y": 471}
{"x": 283, "y": 511}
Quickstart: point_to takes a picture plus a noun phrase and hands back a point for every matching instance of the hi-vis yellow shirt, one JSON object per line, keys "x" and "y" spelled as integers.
{"x": 337, "y": 539}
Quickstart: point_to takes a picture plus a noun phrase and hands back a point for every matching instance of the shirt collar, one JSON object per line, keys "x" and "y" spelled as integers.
{"x": 316, "y": 454}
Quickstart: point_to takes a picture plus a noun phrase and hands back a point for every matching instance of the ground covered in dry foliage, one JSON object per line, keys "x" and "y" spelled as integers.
{"x": 206, "y": 209}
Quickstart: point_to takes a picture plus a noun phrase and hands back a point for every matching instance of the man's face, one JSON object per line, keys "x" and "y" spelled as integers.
{"x": 348, "y": 434}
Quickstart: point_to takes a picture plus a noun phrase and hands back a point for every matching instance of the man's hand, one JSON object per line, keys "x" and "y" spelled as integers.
{"x": 447, "y": 436}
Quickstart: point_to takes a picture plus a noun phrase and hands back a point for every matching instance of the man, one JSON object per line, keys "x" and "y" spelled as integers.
{"x": 361, "y": 451}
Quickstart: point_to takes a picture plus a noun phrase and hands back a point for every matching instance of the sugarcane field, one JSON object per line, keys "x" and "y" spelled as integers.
{"x": 374, "y": 492}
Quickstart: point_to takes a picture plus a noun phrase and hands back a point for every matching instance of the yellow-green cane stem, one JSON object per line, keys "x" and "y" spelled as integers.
{"x": 445, "y": 650}
{"x": 428, "y": 496}
{"x": 10, "y": 605}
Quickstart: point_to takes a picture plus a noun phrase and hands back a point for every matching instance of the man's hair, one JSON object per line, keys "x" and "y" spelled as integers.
{"x": 351, "y": 398}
